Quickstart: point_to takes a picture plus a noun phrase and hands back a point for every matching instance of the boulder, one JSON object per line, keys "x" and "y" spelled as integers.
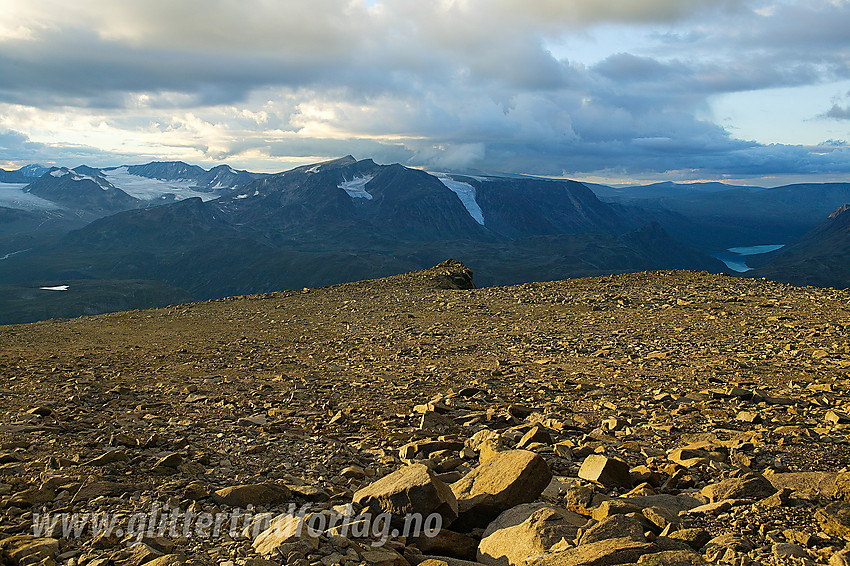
{"x": 525, "y": 531}
{"x": 505, "y": 480}
{"x": 614, "y": 507}
{"x": 615, "y": 526}
{"x": 608, "y": 472}
{"x": 284, "y": 529}
{"x": 537, "y": 434}
{"x": 412, "y": 489}
{"x": 834, "y": 519}
{"x": 266, "y": 494}
{"x": 673, "y": 558}
{"x": 28, "y": 498}
{"x": 23, "y": 550}
{"x": 603, "y": 553}
{"x": 695, "y": 538}
{"x": 749, "y": 486}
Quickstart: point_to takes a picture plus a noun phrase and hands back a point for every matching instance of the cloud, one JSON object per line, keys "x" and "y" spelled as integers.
{"x": 451, "y": 84}
{"x": 838, "y": 112}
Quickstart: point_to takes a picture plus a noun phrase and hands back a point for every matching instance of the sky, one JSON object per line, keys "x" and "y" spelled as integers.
{"x": 612, "y": 91}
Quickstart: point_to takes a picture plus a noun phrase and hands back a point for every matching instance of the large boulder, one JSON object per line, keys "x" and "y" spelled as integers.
{"x": 603, "y": 553}
{"x": 834, "y": 519}
{"x": 615, "y": 526}
{"x": 609, "y": 472}
{"x": 673, "y": 558}
{"x": 168, "y": 560}
{"x": 411, "y": 490}
{"x": 446, "y": 543}
{"x": 525, "y": 531}
{"x": 265, "y": 494}
{"x": 284, "y": 529}
{"x": 26, "y": 549}
{"x": 505, "y": 480}
{"x": 749, "y": 486}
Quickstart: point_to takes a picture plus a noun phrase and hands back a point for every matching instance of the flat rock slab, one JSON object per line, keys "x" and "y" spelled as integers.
{"x": 168, "y": 560}
{"x": 822, "y": 484}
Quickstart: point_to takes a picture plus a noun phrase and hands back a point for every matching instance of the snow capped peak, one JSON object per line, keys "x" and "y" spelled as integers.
{"x": 61, "y": 172}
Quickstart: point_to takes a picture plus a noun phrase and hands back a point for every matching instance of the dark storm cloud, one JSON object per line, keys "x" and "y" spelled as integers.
{"x": 454, "y": 84}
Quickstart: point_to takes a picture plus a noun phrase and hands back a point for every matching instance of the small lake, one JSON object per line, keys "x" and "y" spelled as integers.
{"x": 736, "y": 258}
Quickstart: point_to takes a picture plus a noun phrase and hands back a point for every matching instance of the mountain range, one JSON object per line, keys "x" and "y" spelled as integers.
{"x": 165, "y": 232}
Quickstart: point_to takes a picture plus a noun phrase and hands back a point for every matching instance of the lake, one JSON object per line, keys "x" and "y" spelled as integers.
{"x": 736, "y": 258}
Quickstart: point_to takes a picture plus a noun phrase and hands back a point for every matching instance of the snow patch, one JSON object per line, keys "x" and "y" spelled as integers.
{"x": 151, "y": 189}
{"x": 96, "y": 180}
{"x": 466, "y": 193}
{"x": 314, "y": 169}
{"x": 241, "y": 196}
{"x": 56, "y": 288}
{"x": 10, "y": 254}
{"x": 59, "y": 173}
{"x": 356, "y": 187}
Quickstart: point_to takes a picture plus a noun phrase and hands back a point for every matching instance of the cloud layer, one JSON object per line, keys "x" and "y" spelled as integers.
{"x": 454, "y": 84}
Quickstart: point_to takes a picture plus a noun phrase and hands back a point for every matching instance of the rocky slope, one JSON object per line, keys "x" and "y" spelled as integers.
{"x": 650, "y": 418}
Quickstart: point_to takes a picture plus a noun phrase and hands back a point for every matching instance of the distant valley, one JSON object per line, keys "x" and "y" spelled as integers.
{"x": 167, "y": 232}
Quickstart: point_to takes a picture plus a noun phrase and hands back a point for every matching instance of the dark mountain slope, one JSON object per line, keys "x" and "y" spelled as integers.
{"x": 821, "y": 257}
{"x": 25, "y": 174}
{"x": 417, "y": 205}
{"x": 167, "y": 170}
{"x": 517, "y": 208}
{"x": 346, "y": 220}
{"x": 312, "y": 202}
{"x": 225, "y": 177}
{"x": 561, "y": 256}
{"x": 748, "y": 216}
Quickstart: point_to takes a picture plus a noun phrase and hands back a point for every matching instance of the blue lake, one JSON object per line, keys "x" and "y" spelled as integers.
{"x": 736, "y": 258}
